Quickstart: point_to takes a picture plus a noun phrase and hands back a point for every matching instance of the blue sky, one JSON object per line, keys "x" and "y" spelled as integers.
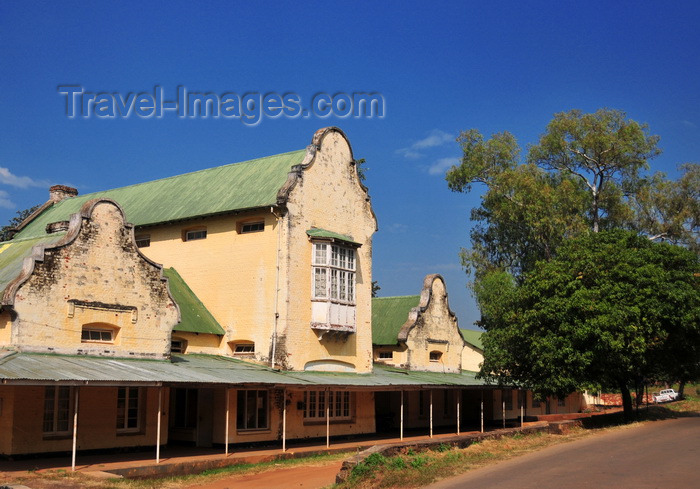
{"x": 441, "y": 67}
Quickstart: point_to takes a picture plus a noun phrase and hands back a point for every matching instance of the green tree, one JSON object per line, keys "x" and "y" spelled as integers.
{"x": 6, "y": 230}
{"x": 601, "y": 149}
{"x": 670, "y": 210}
{"x": 610, "y": 309}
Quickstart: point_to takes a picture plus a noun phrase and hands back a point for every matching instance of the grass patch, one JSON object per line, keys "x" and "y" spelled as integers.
{"x": 61, "y": 478}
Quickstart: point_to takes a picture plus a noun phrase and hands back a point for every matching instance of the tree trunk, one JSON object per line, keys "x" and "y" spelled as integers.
{"x": 639, "y": 400}
{"x": 626, "y": 401}
{"x": 681, "y": 390}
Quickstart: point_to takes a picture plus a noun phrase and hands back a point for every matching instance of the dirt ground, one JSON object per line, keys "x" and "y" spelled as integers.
{"x": 305, "y": 476}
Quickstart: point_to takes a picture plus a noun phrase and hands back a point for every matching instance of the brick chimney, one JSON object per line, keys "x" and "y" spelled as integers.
{"x": 57, "y": 193}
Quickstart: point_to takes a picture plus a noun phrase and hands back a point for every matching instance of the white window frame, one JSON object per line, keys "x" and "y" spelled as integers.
{"x": 385, "y": 355}
{"x": 244, "y": 348}
{"x": 57, "y": 409}
{"x": 341, "y": 405}
{"x": 333, "y": 276}
{"x": 96, "y": 331}
{"x": 129, "y": 399}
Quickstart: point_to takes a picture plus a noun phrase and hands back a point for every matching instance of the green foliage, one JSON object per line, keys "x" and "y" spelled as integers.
{"x": 443, "y": 447}
{"x": 5, "y": 231}
{"x": 361, "y": 170}
{"x": 599, "y": 149}
{"x": 610, "y": 308}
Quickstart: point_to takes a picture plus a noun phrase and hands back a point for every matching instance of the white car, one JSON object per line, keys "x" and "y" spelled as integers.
{"x": 666, "y": 395}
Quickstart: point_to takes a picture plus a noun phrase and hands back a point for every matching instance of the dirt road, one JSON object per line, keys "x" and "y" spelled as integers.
{"x": 302, "y": 477}
{"x": 656, "y": 454}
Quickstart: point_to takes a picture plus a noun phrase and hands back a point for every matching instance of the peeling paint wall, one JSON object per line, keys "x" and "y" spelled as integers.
{"x": 328, "y": 196}
{"x": 435, "y": 332}
{"x": 98, "y": 280}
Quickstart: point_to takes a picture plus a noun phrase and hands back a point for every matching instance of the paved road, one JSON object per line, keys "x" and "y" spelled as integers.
{"x": 657, "y": 454}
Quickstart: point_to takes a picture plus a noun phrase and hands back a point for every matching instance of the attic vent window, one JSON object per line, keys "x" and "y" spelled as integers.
{"x": 252, "y": 227}
{"x": 243, "y": 348}
{"x": 56, "y": 227}
{"x": 143, "y": 241}
{"x": 98, "y": 335}
{"x": 195, "y": 234}
{"x": 178, "y": 346}
{"x": 435, "y": 356}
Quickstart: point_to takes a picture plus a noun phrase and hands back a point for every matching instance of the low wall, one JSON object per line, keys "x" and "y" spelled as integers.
{"x": 457, "y": 441}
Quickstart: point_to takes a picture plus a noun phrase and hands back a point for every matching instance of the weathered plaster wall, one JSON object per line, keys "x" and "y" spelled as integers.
{"x": 5, "y": 328}
{"x": 472, "y": 358}
{"x": 435, "y": 330}
{"x": 328, "y": 196}
{"x": 97, "y": 276}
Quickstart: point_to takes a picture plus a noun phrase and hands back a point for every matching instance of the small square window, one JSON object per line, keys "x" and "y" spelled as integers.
{"x": 178, "y": 346}
{"x": 252, "y": 227}
{"x": 143, "y": 241}
{"x": 195, "y": 235}
{"x": 435, "y": 356}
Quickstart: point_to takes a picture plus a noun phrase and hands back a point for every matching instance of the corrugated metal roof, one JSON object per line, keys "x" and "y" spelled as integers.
{"x": 245, "y": 185}
{"x": 194, "y": 316}
{"x": 13, "y": 253}
{"x": 388, "y": 315}
{"x": 473, "y": 337}
{"x": 22, "y": 368}
{"x": 324, "y": 233}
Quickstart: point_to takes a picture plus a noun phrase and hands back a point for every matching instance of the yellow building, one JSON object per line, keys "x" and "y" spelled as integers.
{"x": 226, "y": 306}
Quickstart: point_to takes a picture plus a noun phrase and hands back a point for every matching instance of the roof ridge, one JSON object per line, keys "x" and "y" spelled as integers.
{"x": 100, "y": 192}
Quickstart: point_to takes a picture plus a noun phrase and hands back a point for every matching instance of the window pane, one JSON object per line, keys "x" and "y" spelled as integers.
{"x": 351, "y": 287}
{"x": 351, "y": 259}
{"x": 320, "y": 283}
{"x": 320, "y": 253}
{"x": 334, "y": 256}
{"x": 342, "y": 295}
{"x": 312, "y": 404}
{"x": 342, "y": 262}
{"x": 334, "y": 284}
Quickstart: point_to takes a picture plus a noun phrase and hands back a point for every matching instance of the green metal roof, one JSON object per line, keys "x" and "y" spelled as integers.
{"x": 13, "y": 253}
{"x": 388, "y": 315}
{"x": 323, "y": 233}
{"x": 473, "y": 337}
{"x": 246, "y": 185}
{"x": 37, "y": 368}
{"x": 194, "y": 316}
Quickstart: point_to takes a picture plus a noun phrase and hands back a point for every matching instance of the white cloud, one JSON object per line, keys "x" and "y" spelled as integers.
{"x": 397, "y": 227}
{"x": 5, "y": 201}
{"x": 689, "y": 124}
{"x": 442, "y": 165}
{"x": 435, "y": 138}
{"x": 8, "y": 178}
